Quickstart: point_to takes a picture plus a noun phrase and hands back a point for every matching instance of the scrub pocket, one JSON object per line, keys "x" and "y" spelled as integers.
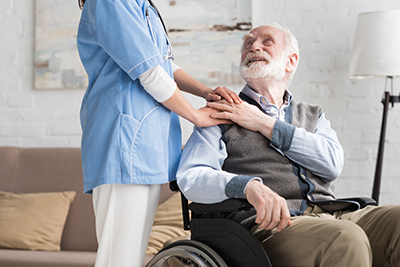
{"x": 144, "y": 147}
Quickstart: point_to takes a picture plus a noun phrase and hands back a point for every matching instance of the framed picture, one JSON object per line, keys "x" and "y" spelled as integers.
{"x": 57, "y": 63}
{"x": 206, "y": 36}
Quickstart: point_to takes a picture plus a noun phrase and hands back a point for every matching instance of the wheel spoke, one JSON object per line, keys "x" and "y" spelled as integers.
{"x": 187, "y": 253}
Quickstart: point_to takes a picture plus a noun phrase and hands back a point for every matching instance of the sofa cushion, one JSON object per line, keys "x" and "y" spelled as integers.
{"x": 9, "y": 158}
{"x": 168, "y": 224}
{"x": 33, "y": 221}
{"x": 36, "y": 170}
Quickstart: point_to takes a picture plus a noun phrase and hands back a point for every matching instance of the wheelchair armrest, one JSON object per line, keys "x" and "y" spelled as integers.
{"x": 173, "y": 185}
{"x": 363, "y": 201}
{"x": 235, "y": 204}
{"x": 228, "y": 205}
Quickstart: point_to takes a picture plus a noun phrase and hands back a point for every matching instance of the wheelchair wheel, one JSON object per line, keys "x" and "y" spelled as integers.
{"x": 187, "y": 253}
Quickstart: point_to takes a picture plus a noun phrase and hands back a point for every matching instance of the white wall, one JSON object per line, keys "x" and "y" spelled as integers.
{"x": 325, "y": 32}
{"x": 29, "y": 117}
{"x": 325, "y": 29}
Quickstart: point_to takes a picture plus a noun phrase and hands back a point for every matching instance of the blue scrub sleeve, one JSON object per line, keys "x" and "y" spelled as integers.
{"x": 123, "y": 32}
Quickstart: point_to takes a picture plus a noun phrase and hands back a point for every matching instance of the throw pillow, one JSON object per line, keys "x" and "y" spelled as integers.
{"x": 168, "y": 224}
{"x": 33, "y": 221}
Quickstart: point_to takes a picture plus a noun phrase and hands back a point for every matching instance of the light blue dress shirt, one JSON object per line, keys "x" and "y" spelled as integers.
{"x": 128, "y": 137}
{"x": 201, "y": 178}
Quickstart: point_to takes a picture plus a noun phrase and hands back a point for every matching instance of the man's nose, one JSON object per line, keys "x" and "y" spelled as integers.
{"x": 256, "y": 46}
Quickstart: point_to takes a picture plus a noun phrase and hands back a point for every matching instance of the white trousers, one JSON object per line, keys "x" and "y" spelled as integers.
{"x": 124, "y": 218}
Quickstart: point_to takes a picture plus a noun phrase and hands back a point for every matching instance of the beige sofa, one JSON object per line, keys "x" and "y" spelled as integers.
{"x": 39, "y": 170}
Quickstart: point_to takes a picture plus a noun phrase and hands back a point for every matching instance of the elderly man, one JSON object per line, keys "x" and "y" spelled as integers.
{"x": 283, "y": 156}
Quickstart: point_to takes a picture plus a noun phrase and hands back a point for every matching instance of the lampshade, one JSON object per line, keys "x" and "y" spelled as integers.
{"x": 376, "y": 49}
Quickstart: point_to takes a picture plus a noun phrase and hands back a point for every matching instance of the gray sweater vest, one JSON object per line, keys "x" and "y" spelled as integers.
{"x": 250, "y": 153}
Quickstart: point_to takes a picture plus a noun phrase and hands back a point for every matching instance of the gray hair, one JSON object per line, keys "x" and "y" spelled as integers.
{"x": 291, "y": 45}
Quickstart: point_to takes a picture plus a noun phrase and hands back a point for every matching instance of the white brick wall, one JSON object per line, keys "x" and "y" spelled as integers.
{"x": 325, "y": 29}
{"x": 325, "y": 32}
{"x": 29, "y": 117}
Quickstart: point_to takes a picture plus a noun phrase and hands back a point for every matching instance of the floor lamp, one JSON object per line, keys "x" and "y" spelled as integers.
{"x": 376, "y": 54}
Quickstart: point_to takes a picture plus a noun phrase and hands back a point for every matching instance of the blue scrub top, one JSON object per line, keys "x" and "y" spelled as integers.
{"x": 128, "y": 137}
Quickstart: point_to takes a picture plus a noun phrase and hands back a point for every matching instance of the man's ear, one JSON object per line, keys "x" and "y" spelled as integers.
{"x": 292, "y": 62}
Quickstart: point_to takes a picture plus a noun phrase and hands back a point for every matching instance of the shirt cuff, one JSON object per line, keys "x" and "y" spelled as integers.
{"x": 158, "y": 83}
{"x": 174, "y": 67}
{"x": 235, "y": 188}
{"x": 282, "y": 135}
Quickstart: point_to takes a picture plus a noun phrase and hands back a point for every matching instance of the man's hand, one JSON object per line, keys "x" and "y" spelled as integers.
{"x": 272, "y": 210}
{"x": 220, "y": 93}
{"x": 205, "y": 119}
{"x": 246, "y": 115}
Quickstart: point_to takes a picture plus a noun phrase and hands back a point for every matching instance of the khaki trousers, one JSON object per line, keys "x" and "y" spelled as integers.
{"x": 364, "y": 238}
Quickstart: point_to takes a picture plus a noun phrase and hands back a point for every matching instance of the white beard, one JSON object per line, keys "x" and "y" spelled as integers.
{"x": 274, "y": 71}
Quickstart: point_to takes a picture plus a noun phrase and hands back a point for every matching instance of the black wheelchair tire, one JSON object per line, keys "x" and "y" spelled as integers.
{"x": 198, "y": 253}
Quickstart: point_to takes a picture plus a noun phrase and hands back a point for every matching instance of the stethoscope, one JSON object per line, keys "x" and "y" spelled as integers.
{"x": 170, "y": 53}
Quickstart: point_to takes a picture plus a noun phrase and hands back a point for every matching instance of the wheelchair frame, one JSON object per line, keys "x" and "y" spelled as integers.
{"x": 216, "y": 240}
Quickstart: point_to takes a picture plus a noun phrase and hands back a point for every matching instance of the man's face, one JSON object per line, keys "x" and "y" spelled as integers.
{"x": 263, "y": 54}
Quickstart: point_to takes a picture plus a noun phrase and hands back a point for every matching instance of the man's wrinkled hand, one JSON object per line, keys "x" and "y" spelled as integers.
{"x": 272, "y": 210}
{"x": 220, "y": 93}
{"x": 246, "y": 115}
{"x": 206, "y": 119}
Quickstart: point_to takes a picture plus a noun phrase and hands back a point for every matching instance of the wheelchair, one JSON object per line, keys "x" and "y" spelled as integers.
{"x": 220, "y": 236}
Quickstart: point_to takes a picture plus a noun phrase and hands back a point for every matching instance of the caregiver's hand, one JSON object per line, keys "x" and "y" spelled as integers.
{"x": 205, "y": 119}
{"x": 220, "y": 93}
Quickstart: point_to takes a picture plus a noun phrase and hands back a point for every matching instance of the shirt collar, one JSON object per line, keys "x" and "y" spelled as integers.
{"x": 264, "y": 102}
